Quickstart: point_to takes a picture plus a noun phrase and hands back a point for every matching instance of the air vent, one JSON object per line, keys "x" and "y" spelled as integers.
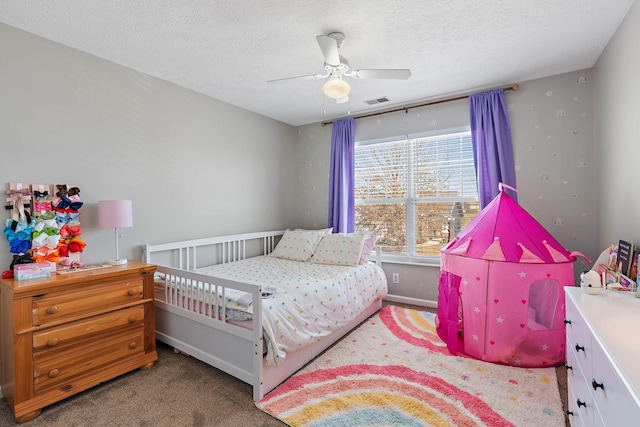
{"x": 377, "y": 101}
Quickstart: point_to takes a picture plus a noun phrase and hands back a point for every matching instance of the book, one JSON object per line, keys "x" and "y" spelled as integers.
{"x": 612, "y": 277}
{"x": 625, "y": 255}
{"x": 627, "y": 284}
{"x": 633, "y": 274}
{"x": 613, "y": 257}
{"x": 637, "y": 257}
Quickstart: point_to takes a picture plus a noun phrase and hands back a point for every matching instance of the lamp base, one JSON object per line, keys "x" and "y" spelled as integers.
{"x": 118, "y": 262}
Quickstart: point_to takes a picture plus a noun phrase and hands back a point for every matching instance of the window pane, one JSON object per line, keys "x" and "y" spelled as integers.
{"x": 381, "y": 171}
{"x": 439, "y": 222}
{"x": 387, "y": 221}
{"x": 444, "y": 166}
{"x": 415, "y": 194}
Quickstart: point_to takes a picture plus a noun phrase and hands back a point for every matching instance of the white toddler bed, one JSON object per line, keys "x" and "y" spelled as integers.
{"x": 307, "y": 306}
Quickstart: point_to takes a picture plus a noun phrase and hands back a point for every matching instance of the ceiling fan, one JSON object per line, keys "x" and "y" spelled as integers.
{"x": 336, "y": 67}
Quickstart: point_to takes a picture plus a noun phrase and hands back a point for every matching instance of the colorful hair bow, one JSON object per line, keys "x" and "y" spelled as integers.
{"x": 43, "y": 239}
{"x": 17, "y": 195}
{"x": 45, "y": 253}
{"x": 18, "y": 246}
{"x": 64, "y": 216}
{"x": 21, "y": 259}
{"x": 62, "y": 190}
{"x": 76, "y": 245}
{"x": 63, "y": 249}
{"x": 42, "y": 207}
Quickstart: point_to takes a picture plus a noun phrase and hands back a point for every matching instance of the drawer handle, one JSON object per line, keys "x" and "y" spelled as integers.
{"x": 579, "y": 347}
{"x": 53, "y": 373}
{"x": 133, "y": 345}
{"x": 52, "y": 310}
{"x": 570, "y": 413}
{"x": 53, "y": 342}
{"x": 595, "y": 385}
{"x": 133, "y": 319}
{"x": 132, "y": 292}
{"x": 580, "y": 403}
{"x": 568, "y": 367}
{"x": 567, "y": 321}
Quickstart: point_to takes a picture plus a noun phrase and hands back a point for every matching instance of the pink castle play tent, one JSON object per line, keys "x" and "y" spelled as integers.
{"x": 501, "y": 297}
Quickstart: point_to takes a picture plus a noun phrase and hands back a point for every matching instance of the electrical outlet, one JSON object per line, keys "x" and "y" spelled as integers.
{"x": 395, "y": 277}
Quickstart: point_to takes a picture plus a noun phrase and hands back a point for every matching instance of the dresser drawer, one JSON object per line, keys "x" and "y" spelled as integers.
{"x": 61, "y": 371}
{"x": 73, "y": 336}
{"x": 576, "y": 418}
{"x": 580, "y": 402}
{"x": 578, "y": 339}
{"x": 574, "y": 371}
{"x": 614, "y": 401}
{"x": 56, "y": 307}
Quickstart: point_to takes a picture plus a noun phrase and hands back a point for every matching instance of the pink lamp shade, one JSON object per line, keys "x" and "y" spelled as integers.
{"x": 115, "y": 214}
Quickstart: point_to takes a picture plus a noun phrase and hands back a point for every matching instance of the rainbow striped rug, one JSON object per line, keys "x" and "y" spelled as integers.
{"x": 394, "y": 370}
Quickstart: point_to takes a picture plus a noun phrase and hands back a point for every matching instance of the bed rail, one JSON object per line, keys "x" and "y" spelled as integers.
{"x": 192, "y": 254}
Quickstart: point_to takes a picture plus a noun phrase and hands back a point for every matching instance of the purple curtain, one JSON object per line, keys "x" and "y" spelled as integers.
{"x": 341, "y": 182}
{"x": 492, "y": 150}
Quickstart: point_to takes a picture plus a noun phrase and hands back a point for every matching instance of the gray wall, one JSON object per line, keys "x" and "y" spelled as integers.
{"x": 551, "y": 125}
{"x": 617, "y": 109}
{"x": 193, "y": 166}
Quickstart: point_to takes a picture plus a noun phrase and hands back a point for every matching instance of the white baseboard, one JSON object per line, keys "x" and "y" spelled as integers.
{"x": 412, "y": 301}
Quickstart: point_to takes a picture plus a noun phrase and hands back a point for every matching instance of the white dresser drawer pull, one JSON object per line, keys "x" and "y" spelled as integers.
{"x": 132, "y": 292}
{"x": 53, "y": 342}
{"x": 567, "y": 321}
{"x": 133, "y": 319}
{"x": 570, "y": 413}
{"x": 52, "y": 310}
{"x": 53, "y": 373}
{"x": 581, "y": 403}
{"x": 579, "y": 347}
{"x": 133, "y": 345}
{"x": 595, "y": 385}
{"x": 568, "y": 366}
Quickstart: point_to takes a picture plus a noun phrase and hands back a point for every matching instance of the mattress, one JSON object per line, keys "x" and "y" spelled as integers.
{"x": 307, "y": 301}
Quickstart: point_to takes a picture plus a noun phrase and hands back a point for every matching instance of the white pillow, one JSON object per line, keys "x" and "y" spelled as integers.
{"x": 297, "y": 245}
{"x": 323, "y": 231}
{"x": 367, "y": 248}
{"x": 339, "y": 249}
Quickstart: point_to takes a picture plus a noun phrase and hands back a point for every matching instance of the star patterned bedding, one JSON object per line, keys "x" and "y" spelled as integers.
{"x": 305, "y": 301}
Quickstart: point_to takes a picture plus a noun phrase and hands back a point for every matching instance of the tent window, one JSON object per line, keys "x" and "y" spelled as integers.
{"x": 543, "y": 304}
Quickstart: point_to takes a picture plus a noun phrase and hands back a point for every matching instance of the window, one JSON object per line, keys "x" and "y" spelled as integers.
{"x": 415, "y": 193}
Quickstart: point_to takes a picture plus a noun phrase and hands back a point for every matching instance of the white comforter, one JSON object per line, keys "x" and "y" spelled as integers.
{"x": 310, "y": 300}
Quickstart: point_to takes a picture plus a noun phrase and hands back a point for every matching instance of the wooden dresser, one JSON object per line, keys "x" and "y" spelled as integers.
{"x": 67, "y": 333}
{"x": 603, "y": 358}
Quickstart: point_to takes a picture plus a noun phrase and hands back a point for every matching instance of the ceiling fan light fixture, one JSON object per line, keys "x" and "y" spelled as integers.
{"x": 336, "y": 88}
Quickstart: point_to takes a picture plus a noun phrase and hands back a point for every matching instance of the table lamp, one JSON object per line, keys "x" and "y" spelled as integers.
{"x": 115, "y": 214}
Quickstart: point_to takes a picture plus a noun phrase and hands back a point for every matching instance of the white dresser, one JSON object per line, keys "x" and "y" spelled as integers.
{"x": 603, "y": 358}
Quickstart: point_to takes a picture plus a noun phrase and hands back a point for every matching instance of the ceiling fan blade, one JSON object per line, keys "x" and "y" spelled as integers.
{"x": 399, "y": 74}
{"x": 329, "y": 47}
{"x": 287, "y": 79}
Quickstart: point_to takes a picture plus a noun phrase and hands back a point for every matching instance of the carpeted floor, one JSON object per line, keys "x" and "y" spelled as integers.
{"x": 179, "y": 391}
{"x": 394, "y": 370}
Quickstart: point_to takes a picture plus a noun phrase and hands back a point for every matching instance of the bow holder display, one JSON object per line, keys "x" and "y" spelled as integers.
{"x": 44, "y": 224}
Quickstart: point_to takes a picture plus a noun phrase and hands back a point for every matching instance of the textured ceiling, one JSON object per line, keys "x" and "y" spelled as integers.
{"x": 228, "y": 49}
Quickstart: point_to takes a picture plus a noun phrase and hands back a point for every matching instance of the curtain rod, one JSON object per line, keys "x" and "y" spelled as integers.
{"x": 405, "y": 109}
